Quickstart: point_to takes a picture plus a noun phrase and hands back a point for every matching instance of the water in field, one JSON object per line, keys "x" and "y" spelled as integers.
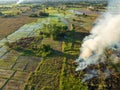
{"x": 28, "y": 30}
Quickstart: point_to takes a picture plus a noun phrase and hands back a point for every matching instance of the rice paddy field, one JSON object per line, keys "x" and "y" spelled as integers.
{"x": 14, "y": 70}
{"x": 22, "y": 69}
{"x": 19, "y": 72}
{"x": 10, "y": 25}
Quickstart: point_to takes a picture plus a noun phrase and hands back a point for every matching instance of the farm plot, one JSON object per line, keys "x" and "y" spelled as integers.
{"x": 28, "y": 30}
{"x": 56, "y": 72}
{"x": 14, "y": 70}
{"x": 20, "y": 66}
{"x": 9, "y": 25}
{"x": 8, "y": 60}
{"x": 2, "y": 82}
{"x": 54, "y": 44}
{"x": 47, "y": 75}
{"x": 3, "y": 50}
{"x": 69, "y": 80}
{"x": 24, "y": 31}
{"x": 27, "y": 63}
{"x": 14, "y": 85}
{"x": 21, "y": 76}
{"x": 6, "y": 73}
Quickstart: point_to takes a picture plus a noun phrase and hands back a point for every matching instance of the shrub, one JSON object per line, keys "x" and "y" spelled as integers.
{"x": 1, "y": 13}
{"x": 33, "y": 15}
{"x": 43, "y": 50}
{"x": 43, "y": 14}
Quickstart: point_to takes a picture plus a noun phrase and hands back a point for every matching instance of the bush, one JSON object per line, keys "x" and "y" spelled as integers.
{"x": 68, "y": 46}
{"x": 43, "y": 50}
{"x": 24, "y": 51}
{"x": 1, "y": 13}
{"x": 43, "y": 14}
{"x": 33, "y": 15}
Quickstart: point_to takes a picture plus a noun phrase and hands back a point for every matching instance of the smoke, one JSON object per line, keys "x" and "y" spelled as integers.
{"x": 19, "y": 1}
{"x": 95, "y": 73}
{"x": 104, "y": 34}
{"x": 90, "y": 74}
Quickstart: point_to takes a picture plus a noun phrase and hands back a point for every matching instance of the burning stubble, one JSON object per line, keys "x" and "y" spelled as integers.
{"x": 104, "y": 34}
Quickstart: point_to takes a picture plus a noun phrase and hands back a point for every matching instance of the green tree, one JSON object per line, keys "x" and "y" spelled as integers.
{"x": 53, "y": 29}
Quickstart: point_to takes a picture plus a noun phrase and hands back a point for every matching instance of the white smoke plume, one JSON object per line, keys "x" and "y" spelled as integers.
{"x": 90, "y": 74}
{"x": 105, "y": 33}
{"x": 19, "y": 1}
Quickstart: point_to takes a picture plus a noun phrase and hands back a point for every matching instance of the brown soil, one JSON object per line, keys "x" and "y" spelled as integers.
{"x": 9, "y": 25}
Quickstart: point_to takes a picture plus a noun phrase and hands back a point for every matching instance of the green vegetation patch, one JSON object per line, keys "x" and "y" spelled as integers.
{"x": 54, "y": 29}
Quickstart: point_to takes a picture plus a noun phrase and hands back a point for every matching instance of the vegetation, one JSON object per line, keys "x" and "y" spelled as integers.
{"x": 26, "y": 47}
{"x": 41, "y": 14}
{"x": 1, "y": 13}
{"x": 33, "y": 15}
{"x": 45, "y": 62}
{"x": 10, "y": 25}
{"x": 55, "y": 29}
{"x": 42, "y": 51}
